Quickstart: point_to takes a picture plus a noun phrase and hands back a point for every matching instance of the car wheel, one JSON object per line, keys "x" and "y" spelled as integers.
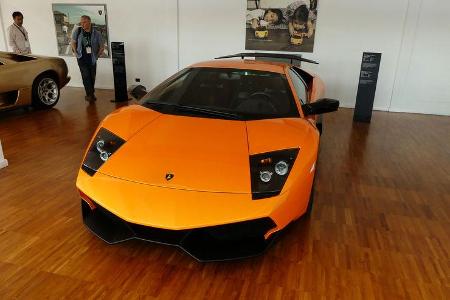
{"x": 311, "y": 199}
{"x": 319, "y": 127}
{"x": 310, "y": 203}
{"x": 319, "y": 124}
{"x": 45, "y": 92}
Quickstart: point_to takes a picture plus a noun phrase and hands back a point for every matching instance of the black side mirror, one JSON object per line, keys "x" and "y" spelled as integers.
{"x": 138, "y": 91}
{"x": 320, "y": 107}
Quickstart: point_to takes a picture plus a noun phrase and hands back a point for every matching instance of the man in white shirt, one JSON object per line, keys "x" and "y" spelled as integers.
{"x": 18, "y": 35}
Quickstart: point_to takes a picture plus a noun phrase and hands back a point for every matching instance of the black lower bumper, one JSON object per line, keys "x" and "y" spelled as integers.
{"x": 222, "y": 242}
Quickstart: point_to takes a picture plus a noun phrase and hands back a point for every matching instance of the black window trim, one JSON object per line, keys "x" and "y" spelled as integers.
{"x": 304, "y": 82}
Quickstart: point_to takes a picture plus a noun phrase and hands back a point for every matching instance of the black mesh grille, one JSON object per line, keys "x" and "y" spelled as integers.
{"x": 221, "y": 242}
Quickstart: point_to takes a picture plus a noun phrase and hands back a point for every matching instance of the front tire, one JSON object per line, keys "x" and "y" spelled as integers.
{"x": 45, "y": 92}
{"x": 319, "y": 127}
{"x": 310, "y": 203}
{"x": 311, "y": 199}
{"x": 319, "y": 124}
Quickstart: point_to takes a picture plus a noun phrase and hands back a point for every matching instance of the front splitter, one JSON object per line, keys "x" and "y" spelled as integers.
{"x": 213, "y": 243}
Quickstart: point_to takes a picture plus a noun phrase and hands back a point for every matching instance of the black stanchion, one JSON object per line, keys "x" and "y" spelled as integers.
{"x": 119, "y": 71}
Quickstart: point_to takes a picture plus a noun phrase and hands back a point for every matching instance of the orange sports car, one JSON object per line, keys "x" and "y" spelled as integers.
{"x": 216, "y": 160}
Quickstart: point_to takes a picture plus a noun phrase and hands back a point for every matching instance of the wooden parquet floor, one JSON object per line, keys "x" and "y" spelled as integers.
{"x": 380, "y": 227}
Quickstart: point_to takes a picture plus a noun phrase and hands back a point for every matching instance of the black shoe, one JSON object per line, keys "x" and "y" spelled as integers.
{"x": 90, "y": 98}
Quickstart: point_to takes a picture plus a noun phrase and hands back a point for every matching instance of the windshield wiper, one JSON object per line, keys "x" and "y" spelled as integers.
{"x": 210, "y": 112}
{"x": 200, "y": 110}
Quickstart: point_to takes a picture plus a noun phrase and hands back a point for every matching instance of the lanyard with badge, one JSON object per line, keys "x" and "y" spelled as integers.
{"x": 27, "y": 43}
{"x": 88, "y": 42}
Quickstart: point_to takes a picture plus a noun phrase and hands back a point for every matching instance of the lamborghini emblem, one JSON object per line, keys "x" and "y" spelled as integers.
{"x": 169, "y": 176}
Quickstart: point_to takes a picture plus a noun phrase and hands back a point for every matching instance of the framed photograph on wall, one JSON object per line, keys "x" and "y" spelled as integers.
{"x": 281, "y": 25}
{"x": 67, "y": 20}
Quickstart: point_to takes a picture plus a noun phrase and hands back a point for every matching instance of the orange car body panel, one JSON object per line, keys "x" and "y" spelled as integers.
{"x": 246, "y": 64}
{"x": 218, "y": 163}
{"x": 210, "y": 160}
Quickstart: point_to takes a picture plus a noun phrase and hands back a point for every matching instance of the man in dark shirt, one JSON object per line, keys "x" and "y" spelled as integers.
{"x": 87, "y": 46}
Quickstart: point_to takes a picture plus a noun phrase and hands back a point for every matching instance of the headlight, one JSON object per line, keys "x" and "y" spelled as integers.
{"x": 265, "y": 176}
{"x": 269, "y": 172}
{"x": 281, "y": 168}
{"x": 104, "y": 145}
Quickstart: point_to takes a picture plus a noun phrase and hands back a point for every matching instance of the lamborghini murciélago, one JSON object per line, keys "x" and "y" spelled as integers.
{"x": 216, "y": 160}
{"x": 31, "y": 80}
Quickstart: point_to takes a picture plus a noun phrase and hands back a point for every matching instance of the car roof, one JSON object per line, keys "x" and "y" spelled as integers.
{"x": 248, "y": 64}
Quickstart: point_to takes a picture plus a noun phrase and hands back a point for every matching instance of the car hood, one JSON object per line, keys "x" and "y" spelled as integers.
{"x": 278, "y": 134}
{"x": 201, "y": 154}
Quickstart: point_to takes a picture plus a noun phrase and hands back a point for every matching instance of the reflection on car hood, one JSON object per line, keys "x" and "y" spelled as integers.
{"x": 201, "y": 154}
{"x": 277, "y": 134}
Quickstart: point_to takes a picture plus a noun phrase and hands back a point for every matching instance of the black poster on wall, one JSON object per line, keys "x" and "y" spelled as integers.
{"x": 367, "y": 86}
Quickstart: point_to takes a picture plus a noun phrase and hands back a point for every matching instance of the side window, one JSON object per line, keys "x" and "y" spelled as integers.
{"x": 299, "y": 85}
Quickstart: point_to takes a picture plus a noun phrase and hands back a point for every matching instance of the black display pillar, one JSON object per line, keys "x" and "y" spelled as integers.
{"x": 119, "y": 71}
{"x": 367, "y": 86}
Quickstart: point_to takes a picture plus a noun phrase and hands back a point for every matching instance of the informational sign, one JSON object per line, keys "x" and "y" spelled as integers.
{"x": 367, "y": 86}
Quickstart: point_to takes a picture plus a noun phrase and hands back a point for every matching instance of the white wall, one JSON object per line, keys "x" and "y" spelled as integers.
{"x": 413, "y": 36}
{"x": 208, "y": 29}
{"x": 148, "y": 29}
{"x": 345, "y": 29}
{"x": 423, "y": 75}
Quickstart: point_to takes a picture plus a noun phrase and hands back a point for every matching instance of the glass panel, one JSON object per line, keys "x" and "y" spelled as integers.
{"x": 299, "y": 86}
{"x": 243, "y": 94}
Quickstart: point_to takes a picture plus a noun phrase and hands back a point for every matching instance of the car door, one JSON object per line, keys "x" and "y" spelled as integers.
{"x": 300, "y": 86}
{"x": 20, "y": 73}
{"x": 9, "y": 90}
{"x": 17, "y": 75}
{"x": 301, "y": 90}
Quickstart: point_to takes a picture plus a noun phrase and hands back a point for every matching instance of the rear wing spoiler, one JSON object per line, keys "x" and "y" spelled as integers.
{"x": 291, "y": 57}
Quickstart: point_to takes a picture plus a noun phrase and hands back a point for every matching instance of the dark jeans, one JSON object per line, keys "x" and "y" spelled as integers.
{"x": 88, "y": 72}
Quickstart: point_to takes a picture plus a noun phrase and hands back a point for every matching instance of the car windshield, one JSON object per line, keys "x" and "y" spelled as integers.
{"x": 224, "y": 93}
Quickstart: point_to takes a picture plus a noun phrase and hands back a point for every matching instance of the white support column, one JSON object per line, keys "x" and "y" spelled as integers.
{"x": 3, "y": 161}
